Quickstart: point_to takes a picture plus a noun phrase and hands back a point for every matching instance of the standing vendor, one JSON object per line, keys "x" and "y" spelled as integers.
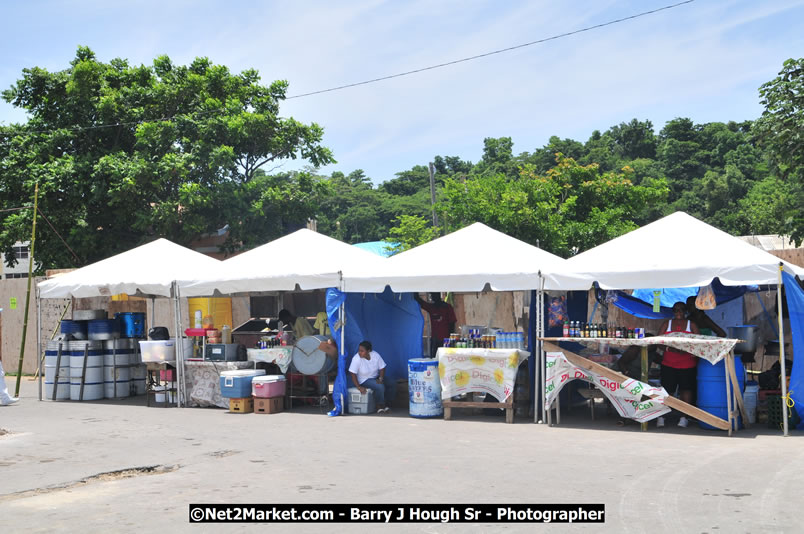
{"x": 679, "y": 368}
{"x": 442, "y": 320}
{"x": 368, "y": 371}
{"x": 300, "y": 325}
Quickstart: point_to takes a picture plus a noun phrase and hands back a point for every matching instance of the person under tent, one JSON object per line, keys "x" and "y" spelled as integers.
{"x": 300, "y": 325}
{"x": 442, "y": 320}
{"x": 679, "y": 368}
{"x": 368, "y": 372}
{"x": 705, "y": 323}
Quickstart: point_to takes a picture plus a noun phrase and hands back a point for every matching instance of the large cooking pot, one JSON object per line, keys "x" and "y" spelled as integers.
{"x": 746, "y": 332}
{"x": 308, "y": 359}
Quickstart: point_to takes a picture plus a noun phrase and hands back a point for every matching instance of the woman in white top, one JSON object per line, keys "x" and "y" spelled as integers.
{"x": 368, "y": 372}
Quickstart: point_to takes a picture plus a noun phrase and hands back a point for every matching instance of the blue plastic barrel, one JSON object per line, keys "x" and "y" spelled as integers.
{"x": 424, "y": 386}
{"x": 712, "y": 388}
{"x": 132, "y": 324}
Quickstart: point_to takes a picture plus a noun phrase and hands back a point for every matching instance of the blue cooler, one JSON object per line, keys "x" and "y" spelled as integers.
{"x": 237, "y": 384}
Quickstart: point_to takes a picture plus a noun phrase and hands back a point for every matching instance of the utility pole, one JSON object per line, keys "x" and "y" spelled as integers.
{"x": 28, "y": 294}
{"x": 432, "y": 194}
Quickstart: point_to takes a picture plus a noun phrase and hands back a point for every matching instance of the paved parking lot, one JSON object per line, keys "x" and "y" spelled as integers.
{"x": 673, "y": 480}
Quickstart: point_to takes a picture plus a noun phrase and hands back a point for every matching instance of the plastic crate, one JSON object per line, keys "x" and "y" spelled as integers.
{"x": 245, "y": 405}
{"x": 776, "y": 414}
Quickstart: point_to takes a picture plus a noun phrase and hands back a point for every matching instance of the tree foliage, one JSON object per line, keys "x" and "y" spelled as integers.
{"x": 123, "y": 153}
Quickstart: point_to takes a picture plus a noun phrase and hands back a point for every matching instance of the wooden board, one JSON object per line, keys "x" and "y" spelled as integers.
{"x": 508, "y": 406}
{"x": 672, "y": 402}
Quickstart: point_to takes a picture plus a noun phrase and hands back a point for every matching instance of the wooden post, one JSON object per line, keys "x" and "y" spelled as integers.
{"x": 28, "y": 294}
{"x": 432, "y": 194}
{"x": 729, "y": 413}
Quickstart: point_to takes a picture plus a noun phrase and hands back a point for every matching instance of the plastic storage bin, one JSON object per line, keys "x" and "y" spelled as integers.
{"x": 237, "y": 384}
{"x": 164, "y": 351}
{"x": 269, "y": 386}
{"x": 361, "y": 403}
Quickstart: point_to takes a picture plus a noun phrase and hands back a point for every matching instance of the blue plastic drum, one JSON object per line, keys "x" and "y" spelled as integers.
{"x": 132, "y": 324}
{"x": 424, "y": 386}
{"x": 712, "y": 388}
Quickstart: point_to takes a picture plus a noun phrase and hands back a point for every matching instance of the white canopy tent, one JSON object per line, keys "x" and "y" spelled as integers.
{"x": 675, "y": 251}
{"x": 147, "y": 270}
{"x": 465, "y": 260}
{"x": 304, "y": 258}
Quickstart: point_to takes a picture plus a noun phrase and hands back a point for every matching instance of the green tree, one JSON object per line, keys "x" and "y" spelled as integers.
{"x": 569, "y": 208}
{"x": 780, "y": 130}
{"x": 125, "y": 153}
{"x": 410, "y": 231}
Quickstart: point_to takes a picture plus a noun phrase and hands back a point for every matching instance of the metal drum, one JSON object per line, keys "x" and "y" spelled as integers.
{"x": 132, "y": 324}
{"x": 117, "y": 357}
{"x": 57, "y": 371}
{"x": 89, "y": 315}
{"x": 89, "y": 374}
{"x": 103, "y": 329}
{"x": 75, "y": 329}
{"x": 308, "y": 359}
{"x": 139, "y": 374}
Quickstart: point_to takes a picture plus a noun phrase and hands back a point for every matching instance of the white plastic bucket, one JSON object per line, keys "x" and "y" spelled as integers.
{"x": 750, "y": 400}
{"x": 424, "y": 386}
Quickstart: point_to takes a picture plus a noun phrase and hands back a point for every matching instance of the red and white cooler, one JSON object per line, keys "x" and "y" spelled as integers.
{"x": 268, "y": 386}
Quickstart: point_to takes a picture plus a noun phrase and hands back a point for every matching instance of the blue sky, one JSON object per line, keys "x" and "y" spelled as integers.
{"x": 703, "y": 60}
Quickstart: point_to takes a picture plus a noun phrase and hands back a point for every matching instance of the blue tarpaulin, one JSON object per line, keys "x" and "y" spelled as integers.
{"x": 380, "y": 248}
{"x": 640, "y": 303}
{"x": 795, "y": 306}
{"x": 393, "y": 323}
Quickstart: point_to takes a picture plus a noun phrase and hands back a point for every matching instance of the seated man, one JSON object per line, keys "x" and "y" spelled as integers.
{"x": 368, "y": 371}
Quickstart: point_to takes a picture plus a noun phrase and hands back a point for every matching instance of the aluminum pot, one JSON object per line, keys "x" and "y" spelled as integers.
{"x": 746, "y": 332}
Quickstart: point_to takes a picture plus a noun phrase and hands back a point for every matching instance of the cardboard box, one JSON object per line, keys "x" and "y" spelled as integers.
{"x": 244, "y": 405}
{"x": 272, "y": 405}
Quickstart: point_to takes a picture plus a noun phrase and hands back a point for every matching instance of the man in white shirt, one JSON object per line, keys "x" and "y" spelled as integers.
{"x": 368, "y": 372}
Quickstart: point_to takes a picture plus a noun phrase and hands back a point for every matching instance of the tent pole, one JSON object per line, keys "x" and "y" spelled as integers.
{"x": 540, "y": 346}
{"x": 783, "y": 378}
{"x": 342, "y": 347}
{"x": 39, "y": 340}
{"x": 179, "y": 347}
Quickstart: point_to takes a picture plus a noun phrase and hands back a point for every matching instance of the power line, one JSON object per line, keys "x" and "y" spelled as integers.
{"x": 500, "y": 51}
{"x": 77, "y": 259}
{"x": 373, "y": 80}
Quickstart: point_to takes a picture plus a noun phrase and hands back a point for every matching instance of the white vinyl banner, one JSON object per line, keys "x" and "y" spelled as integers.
{"x": 627, "y": 397}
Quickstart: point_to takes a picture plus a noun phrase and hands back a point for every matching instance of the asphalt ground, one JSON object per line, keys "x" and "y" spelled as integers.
{"x": 154, "y": 462}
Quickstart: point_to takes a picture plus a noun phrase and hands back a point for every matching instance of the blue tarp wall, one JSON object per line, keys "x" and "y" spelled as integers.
{"x": 393, "y": 323}
{"x": 640, "y": 303}
{"x": 795, "y": 307}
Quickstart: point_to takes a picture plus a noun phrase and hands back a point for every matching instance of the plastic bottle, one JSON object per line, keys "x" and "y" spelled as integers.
{"x": 198, "y": 319}
{"x": 226, "y": 334}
